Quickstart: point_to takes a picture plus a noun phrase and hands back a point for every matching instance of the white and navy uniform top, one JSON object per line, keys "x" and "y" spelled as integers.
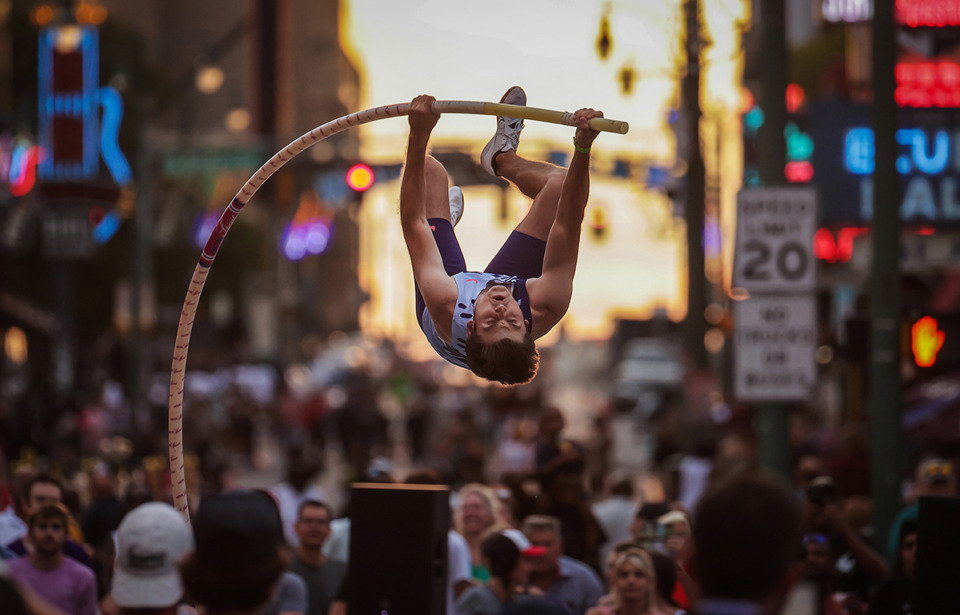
{"x": 469, "y": 285}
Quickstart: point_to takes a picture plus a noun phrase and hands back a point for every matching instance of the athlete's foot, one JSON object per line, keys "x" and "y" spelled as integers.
{"x": 456, "y": 204}
{"x": 507, "y": 137}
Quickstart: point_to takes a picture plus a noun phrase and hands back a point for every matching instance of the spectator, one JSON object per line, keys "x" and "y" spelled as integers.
{"x": 678, "y": 546}
{"x": 643, "y": 529}
{"x": 477, "y": 513}
{"x": 808, "y": 466}
{"x": 13, "y": 524}
{"x": 303, "y": 465}
{"x": 662, "y": 601}
{"x": 746, "y": 534}
{"x": 615, "y": 514}
{"x": 858, "y": 568}
{"x": 508, "y": 576}
{"x": 290, "y": 595}
{"x": 550, "y": 442}
{"x": 895, "y": 597}
{"x": 563, "y": 580}
{"x": 152, "y": 540}
{"x": 43, "y": 490}
{"x": 237, "y": 561}
{"x": 60, "y": 580}
{"x": 820, "y": 570}
{"x": 323, "y": 576}
{"x": 934, "y": 477}
{"x": 632, "y": 585}
{"x": 565, "y": 497}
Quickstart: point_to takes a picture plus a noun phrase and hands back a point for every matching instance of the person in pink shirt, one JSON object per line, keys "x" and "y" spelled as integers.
{"x": 60, "y": 580}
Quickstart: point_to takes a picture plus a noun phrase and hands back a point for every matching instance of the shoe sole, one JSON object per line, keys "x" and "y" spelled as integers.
{"x": 488, "y": 149}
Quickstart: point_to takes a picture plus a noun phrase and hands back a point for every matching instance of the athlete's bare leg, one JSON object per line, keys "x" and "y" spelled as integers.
{"x": 540, "y": 181}
{"x": 437, "y": 183}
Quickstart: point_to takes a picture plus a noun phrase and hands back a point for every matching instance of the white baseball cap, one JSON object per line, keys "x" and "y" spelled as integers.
{"x": 151, "y": 541}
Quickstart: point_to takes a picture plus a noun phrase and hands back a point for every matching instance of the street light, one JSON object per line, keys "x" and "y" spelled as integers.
{"x": 209, "y": 78}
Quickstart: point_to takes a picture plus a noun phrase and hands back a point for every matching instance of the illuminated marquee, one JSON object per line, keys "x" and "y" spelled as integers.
{"x": 928, "y": 84}
{"x": 849, "y": 11}
{"x": 69, "y": 103}
{"x": 928, "y": 13}
{"x": 928, "y": 158}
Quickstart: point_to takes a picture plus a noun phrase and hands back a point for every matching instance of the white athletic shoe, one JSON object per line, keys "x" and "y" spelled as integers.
{"x": 507, "y": 136}
{"x": 456, "y": 204}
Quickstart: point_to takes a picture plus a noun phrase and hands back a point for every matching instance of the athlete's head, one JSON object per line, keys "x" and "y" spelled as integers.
{"x": 499, "y": 344}
{"x": 506, "y": 361}
{"x": 497, "y": 316}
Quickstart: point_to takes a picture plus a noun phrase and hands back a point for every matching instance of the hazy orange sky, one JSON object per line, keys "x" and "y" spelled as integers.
{"x": 474, "y": 51}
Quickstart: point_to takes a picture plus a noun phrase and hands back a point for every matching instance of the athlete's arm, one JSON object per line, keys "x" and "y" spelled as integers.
{"x": 550, "y": 293}
{"x": 438, "y": 289}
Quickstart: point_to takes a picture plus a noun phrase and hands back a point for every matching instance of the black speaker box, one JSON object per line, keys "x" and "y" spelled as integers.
{"x": 398, "y": 549}
{"x": 938, "y": 557}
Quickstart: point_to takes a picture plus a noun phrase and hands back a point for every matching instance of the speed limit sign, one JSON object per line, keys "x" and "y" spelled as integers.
{"x": 774, "y": 248}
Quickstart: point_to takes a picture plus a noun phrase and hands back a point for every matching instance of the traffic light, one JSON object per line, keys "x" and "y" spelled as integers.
{"x": 360, "y": 177}
{"x": 604, "y": 42}
{"x": 799, "y": 165}
{"x": 926, "y": 340}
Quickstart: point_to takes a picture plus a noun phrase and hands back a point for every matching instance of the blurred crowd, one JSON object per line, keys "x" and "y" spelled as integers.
{"x": 543, "y": 520}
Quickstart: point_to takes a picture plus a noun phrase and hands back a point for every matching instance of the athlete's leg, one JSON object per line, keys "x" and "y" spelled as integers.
{"x": 539, "y": 181}
{"x": 437, "y": 183}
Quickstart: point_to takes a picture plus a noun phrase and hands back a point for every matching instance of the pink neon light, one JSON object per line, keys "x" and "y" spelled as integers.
{"x": 928, "y": 84}
{"x": 23, "y": 180}
{"x": 929, "y": 13}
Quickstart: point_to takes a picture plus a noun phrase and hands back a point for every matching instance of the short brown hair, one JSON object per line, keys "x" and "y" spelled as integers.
{"x": 314, "y": 504}
{"x": 51, "y": 511}
{"x": 505, "y": 361}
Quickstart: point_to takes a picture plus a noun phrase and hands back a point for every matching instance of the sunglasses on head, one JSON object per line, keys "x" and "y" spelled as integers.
{"x": 938, "y": 470}
{"x": 818, "y": 539}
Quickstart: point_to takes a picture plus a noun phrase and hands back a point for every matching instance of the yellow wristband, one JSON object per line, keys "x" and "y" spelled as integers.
{"x": 582, "y": 150}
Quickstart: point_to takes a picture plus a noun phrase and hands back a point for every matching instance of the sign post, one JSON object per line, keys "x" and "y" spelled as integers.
{"x": 775, "y": 337}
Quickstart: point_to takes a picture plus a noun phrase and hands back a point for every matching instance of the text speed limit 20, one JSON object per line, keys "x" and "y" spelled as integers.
{"x": 774, "y": 247}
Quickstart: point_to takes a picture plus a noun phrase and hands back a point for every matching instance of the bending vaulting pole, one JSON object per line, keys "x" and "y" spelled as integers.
{"x": 187, "y": 315}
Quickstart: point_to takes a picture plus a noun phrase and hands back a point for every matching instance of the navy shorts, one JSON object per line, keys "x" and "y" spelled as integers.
{"x": 521, "y": 255}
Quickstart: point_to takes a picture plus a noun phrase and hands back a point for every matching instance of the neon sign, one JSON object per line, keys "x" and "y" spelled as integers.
{"x": 927, "y": 13}
{"x": 928, "y": 156}
{"x": 928, "y": 84}
{"x": 848, "y": 11}
{"x": 931, "y": 192}
{"x": 70, "y": 99}
{"x": 18, "y": 163}
{"x": 837, "y": 249}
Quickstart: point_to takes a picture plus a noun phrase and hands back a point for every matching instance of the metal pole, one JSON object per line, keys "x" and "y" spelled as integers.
{"x": 773, "y": 419}
{"x": 695, "y": 325}
{"x": 885, "y": 281}
{"x": 142, "y": 278}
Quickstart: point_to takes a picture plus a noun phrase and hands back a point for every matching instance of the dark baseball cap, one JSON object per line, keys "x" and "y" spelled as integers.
{"x": 235, "y": 528}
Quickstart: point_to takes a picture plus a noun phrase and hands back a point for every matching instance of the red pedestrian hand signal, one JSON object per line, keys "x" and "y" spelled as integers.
{"x": 926, "y": 341}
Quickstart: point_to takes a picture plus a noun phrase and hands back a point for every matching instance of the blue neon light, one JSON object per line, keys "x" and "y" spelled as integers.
{"x": 107, "y": 228}
{"x": 109, "y": 148}
{"x": 82, "y": 105}
{"x": 859, "y": 151}
{"x": 916, "y": 139}
{"x": 753, "y": 119}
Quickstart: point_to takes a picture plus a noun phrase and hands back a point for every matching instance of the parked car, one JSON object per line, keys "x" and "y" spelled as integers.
{"x": 648, "y": 370}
